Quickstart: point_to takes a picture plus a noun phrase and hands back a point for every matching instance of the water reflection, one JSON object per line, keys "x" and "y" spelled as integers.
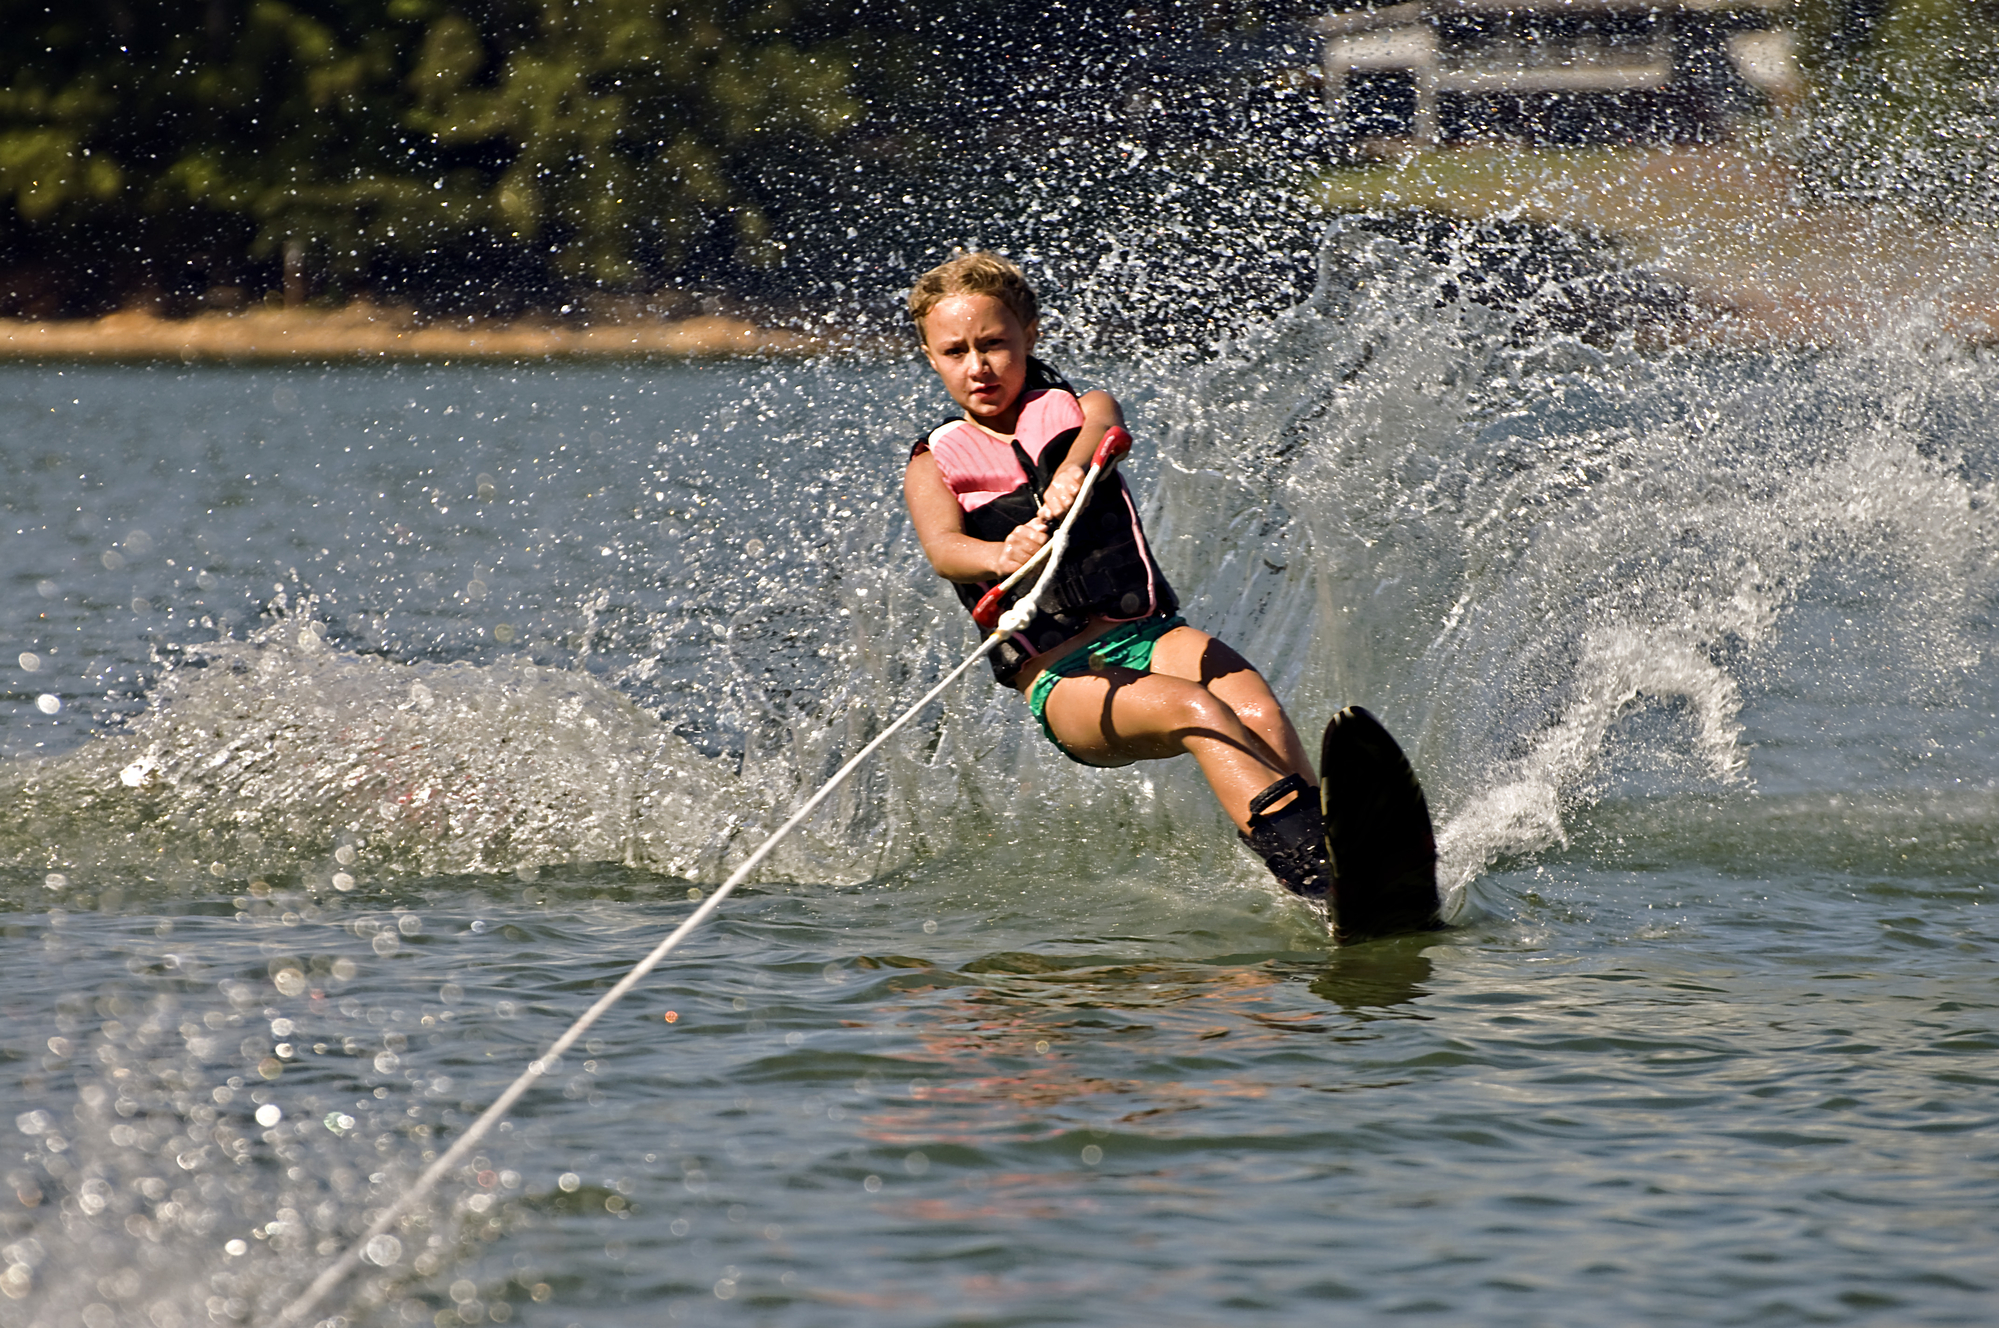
{"x": 1377, "y": 975}
{"x": 1009, "y": 1047}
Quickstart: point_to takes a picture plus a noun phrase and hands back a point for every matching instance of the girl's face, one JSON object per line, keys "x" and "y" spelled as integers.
{"x": 980, "y": 350}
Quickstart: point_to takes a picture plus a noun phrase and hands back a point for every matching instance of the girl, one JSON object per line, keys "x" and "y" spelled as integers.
{"x": 1108, "y": 667}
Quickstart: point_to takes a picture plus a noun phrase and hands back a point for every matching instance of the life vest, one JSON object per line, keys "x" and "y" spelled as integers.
{"x": 1108, "y": 570}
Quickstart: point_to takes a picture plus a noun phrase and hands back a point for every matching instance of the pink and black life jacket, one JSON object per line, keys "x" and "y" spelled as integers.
{"x": 1108, "y": 571}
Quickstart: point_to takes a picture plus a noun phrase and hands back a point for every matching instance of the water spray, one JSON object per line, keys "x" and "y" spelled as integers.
{"x": 1116, "y": 443}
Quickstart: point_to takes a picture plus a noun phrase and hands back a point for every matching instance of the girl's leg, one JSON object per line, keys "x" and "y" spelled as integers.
{"x": 1115, "y": 716}
{"x": 1194, "y": 655}
{"x": 1289, "y": 834}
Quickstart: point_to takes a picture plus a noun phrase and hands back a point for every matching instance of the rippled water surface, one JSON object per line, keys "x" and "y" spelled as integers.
{"x": 362, "y": 722}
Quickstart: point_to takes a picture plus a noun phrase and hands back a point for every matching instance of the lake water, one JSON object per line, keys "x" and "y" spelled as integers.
{"x": 362, "y": 722}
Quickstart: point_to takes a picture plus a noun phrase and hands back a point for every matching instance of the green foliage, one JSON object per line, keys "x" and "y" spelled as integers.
{"x": 606, "y": 137}
{"x": 45, "y": 163}
{"x": 1905, "y": 103}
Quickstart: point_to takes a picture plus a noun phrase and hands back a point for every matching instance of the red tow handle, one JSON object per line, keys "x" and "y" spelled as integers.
{"x": 1110, "y": 450}
{"x": 986, "y": 613}
{"x": 1116, "y": 442}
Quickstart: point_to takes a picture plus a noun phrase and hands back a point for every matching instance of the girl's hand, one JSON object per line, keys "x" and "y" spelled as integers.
{"x": 1061, "y": 492}
{"x": 1020, "y": 546}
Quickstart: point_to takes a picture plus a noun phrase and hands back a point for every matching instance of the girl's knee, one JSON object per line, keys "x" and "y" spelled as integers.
{"x": 1199, "y": 708}
{"x": 1168, "y": 707}
{"x": 1259, "y": 712}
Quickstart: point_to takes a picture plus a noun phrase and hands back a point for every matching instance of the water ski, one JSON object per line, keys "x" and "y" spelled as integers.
{"x": 1379, "y": 844}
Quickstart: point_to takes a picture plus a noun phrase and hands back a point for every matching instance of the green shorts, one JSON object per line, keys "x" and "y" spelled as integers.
{"x": 1125, "y": 646}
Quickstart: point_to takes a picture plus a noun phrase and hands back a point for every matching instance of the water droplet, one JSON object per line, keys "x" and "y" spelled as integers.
{"x": 55, "y": 881}
{"x": 236, "y": 1248}
{"x": 872, "y": 1184}
{"x": 1092, "y": 1155}
{"x": 138, "y": 542}
{"x": 207, "y": 580}
{"x": 487, "y": 488}
{"x": 916, "y": 1164}
{"x": 671, "y": 1016}
{"x": 342, "y": 881}
{"x": 47, "y": 589}
{"x": 218, "y": 869}
{"x": 475, "y": 589}
{"x": 503, "y": 632}
{"x": 112, "y": 560}
{"x": 344, "y": 855}
{"x": 30, "y": 661}
{"x": 409, "y": 924}
{"x": 269, "y": 1114}
{"x": 1041, "y": 1047}
{"x": 753, "y": 547}
{"x": 140, "y": 604}
{"x": 48, "y": 703}
{"x": 385, "y": 943}
{"x": 383, "y": 1251}
{"x": 693, "y": 892}
{"x": 930, "y": 926}
{"x": 568, "y": 1182}
{"x": 345, "y": 968}
{"x": 289, "y": 982}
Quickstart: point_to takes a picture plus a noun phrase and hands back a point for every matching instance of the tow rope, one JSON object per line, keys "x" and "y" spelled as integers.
{"x": 1116, "y": 442}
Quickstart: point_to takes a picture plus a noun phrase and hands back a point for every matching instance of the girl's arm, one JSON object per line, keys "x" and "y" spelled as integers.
{"x": 1100, "y": 413}
{"x": 940, "y": 528}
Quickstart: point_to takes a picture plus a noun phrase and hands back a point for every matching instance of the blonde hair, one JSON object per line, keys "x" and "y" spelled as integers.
{"x": 982, "y": 273}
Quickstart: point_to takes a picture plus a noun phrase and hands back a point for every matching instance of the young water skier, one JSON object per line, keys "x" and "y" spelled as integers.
{"x": 1108, "y": 667}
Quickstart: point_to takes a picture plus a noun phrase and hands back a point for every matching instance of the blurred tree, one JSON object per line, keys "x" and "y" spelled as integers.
{"x": 1905, "y": 103}
{"x": 151, "y": 146}
{"x": 501, "y": 153}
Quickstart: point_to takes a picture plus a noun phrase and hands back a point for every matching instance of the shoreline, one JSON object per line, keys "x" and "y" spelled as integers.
{"x": 1762, "y": 265}
{"x": 370, "y": 332}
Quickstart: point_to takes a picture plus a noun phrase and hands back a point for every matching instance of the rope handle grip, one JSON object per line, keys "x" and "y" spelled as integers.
{"x": 1111, "y": 449}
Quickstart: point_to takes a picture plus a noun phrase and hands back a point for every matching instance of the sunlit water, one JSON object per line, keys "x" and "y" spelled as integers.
{"x": 397, "y": 710}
